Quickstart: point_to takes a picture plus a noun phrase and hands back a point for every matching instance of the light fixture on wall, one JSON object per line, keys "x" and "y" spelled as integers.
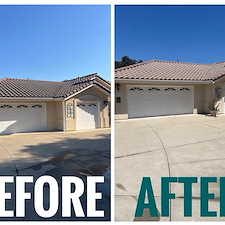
{"x": 105, "y": 102}
{"x": 117, "y": 86}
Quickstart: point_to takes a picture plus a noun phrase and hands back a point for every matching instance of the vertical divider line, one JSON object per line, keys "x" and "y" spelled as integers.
{"x": 112, "y": 41}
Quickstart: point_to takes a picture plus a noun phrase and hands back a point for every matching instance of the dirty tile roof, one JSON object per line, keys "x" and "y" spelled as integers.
{"x": 26, "y": 88}
{"x": 169, "y": 70}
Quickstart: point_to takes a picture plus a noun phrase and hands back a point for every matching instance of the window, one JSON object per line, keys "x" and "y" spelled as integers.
{"x": 118, "y": 99}
{"x": 184, "y": 89}
{"x": 218, "y": 92}
{"x": 136, "y": 89}
{"x": 5, "y": 106}
{"x": 36, "y": 106}
{"x": 22, "y": 106}
{"x": 70, "y": 110}
{"x": 92, "y": 104}
{"x": 154, "y": 89}
{"x": 170, "y": 89}
{"x": 81, "y": 104}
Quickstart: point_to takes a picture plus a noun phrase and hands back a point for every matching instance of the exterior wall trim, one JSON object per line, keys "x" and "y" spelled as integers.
{"x": 64, "y": 115}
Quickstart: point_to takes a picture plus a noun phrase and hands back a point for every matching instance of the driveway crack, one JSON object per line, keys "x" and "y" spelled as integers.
{"x": 207, "y": 124}
{"x": 165, "y": 152}
{"x": 138, "y": 153}
{"x": 17, "y": 172}
{"x": 199, "y": 161}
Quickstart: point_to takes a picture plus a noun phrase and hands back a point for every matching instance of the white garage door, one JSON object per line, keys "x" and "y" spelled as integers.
{"x": 15, "y": 118}
{"x": 87, "y": 116}
{"x": 146, "y": 100}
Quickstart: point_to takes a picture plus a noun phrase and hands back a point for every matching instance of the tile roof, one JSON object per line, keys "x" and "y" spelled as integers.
{"x": 169, "y": 70}
{"x": 22, "y": 88}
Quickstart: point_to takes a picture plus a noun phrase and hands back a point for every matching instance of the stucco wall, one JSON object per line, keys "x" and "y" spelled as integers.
{"x": 92, "y": 94}
{"x": 59, "y": 116}
{"x": 121, "y": 108}
{"x": 199, "y": 98}
{"x": 51, "y": 116}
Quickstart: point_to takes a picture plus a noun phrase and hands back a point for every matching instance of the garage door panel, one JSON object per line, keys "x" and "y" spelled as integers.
{"x": 87, "y": 116}
{"x": 164, "y": 100}
{"x": 16, "y": 119}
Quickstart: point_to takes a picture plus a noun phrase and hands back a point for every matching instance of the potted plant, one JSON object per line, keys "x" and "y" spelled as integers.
{"x": 213, "y": 108}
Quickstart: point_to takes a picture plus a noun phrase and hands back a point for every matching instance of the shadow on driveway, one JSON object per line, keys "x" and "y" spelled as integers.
{"x": 70, "y": 156}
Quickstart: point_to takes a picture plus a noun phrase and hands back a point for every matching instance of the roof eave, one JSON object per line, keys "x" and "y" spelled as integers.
{"x": 162, "y": 81}
{"x": 101, "y": 80}
{"x": 218, "y": 78}
{"x": 29, "y": 99}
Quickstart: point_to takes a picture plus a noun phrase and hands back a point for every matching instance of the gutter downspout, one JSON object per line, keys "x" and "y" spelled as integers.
{"x": 64, "y": 115}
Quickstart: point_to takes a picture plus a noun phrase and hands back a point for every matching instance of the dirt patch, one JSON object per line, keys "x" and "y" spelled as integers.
{"x": 78, "y": 162}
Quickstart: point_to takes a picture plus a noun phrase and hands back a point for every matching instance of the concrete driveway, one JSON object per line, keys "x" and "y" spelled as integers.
{"x": 82, "y": 154}
{"x": 176, "y": 146}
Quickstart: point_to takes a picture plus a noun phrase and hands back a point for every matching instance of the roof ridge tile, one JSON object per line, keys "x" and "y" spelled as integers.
{"x": 218, "y": 62}
{"x": 82, "y": 77}
{"x": 9, "y": 78}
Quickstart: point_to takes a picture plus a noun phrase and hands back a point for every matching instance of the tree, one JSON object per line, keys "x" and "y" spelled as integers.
{"x": 126, "y": 61}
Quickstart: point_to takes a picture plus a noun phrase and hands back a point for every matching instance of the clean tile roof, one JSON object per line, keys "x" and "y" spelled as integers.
{"x": 169, "y": 70}
{"x": 25, "y": 88}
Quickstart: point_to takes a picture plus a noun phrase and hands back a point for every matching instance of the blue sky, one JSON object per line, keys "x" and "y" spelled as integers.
{"x": 54, "y": 42}
{"x": 184, "y": 33}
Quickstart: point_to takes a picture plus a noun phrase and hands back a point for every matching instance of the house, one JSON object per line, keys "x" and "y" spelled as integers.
{"x": 34, "y": 105}
{"x": 157, "y": 87}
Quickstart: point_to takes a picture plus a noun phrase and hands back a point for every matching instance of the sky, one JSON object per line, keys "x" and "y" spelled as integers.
{"x": 54, "y": 42}
{"x": 185, "y": 33}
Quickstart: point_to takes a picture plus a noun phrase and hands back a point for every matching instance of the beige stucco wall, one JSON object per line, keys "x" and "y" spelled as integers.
{"x": 198, "y": 98}
{"x": 91, "y": 94}
{"x": 51, "y": 112}
{"x": 121, "y": 108}
{"x": 51, "y": 116}
{"x": 59, "y": 116}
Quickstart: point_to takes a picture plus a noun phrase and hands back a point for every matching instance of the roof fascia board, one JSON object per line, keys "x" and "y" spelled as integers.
{"x": 78, "y": 92}
{"x": 161, "y": 81}
{"x": 101, "y": 80}
{"x": 219, "y": 79}
{"x": 103, "y": 86}
{"x": 102, "y": 90}
{"x": 30, "y": 99}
